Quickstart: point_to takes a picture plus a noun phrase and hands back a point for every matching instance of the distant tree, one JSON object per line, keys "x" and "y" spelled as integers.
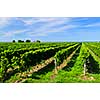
{"x": 38, "y": 41}
{"x": 28, "y": 40}
{"x": 13, "y": 41}
{"x": 20, "y": 41}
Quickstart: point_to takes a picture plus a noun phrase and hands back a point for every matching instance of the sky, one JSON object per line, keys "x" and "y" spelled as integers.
{"x": 50, "y": 29}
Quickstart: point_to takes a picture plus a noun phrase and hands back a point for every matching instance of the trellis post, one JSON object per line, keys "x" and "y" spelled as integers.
{"x": 55, "y": 66}
{"x": 84, "y": 68}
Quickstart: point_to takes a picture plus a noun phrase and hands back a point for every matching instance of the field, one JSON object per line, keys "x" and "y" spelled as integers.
{"x": 51, "y": 62}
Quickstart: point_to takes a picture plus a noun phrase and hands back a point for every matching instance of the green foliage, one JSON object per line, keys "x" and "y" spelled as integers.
{"x": 25, "y": 55}
{"x": 20, "y": 41}
{"x": 28, "y": 40}
{"x": 13, "y": 41}
{"x": 63, "y": 54}
{"x": 38, "y": 41}
{"x": 4, "y": 64}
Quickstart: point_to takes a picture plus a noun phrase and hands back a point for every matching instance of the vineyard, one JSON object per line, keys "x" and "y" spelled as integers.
{"x": 51, "y": 62}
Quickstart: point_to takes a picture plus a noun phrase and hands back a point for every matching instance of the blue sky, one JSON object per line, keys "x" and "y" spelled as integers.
{"x": 50, "y": 28}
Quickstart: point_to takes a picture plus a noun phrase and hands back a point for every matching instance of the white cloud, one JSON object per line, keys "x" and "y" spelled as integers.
{"x": 11, "y": 33}
{"x": 36, "y": 34}
{"x": 62, "y": 28}
{"x": 18, "y": 32}
{"x": 50, "y": 25}
{"x": 52, "y": 19}
{"x": 33, "y": 20}
{"x": 50, "y": 28}
{"x": 93, "y": 25}
{"x": 4, "y": 21}
{"x": 26, "y": 21}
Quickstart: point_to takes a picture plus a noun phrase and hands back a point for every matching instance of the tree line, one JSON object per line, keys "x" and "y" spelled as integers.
{"x": 21, "y": 41}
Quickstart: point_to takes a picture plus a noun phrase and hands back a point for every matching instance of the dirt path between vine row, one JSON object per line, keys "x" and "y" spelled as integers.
{"x": 24, "y": 75}
{"x": 40, "y": 66}
{"x": 64, "y": 64}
